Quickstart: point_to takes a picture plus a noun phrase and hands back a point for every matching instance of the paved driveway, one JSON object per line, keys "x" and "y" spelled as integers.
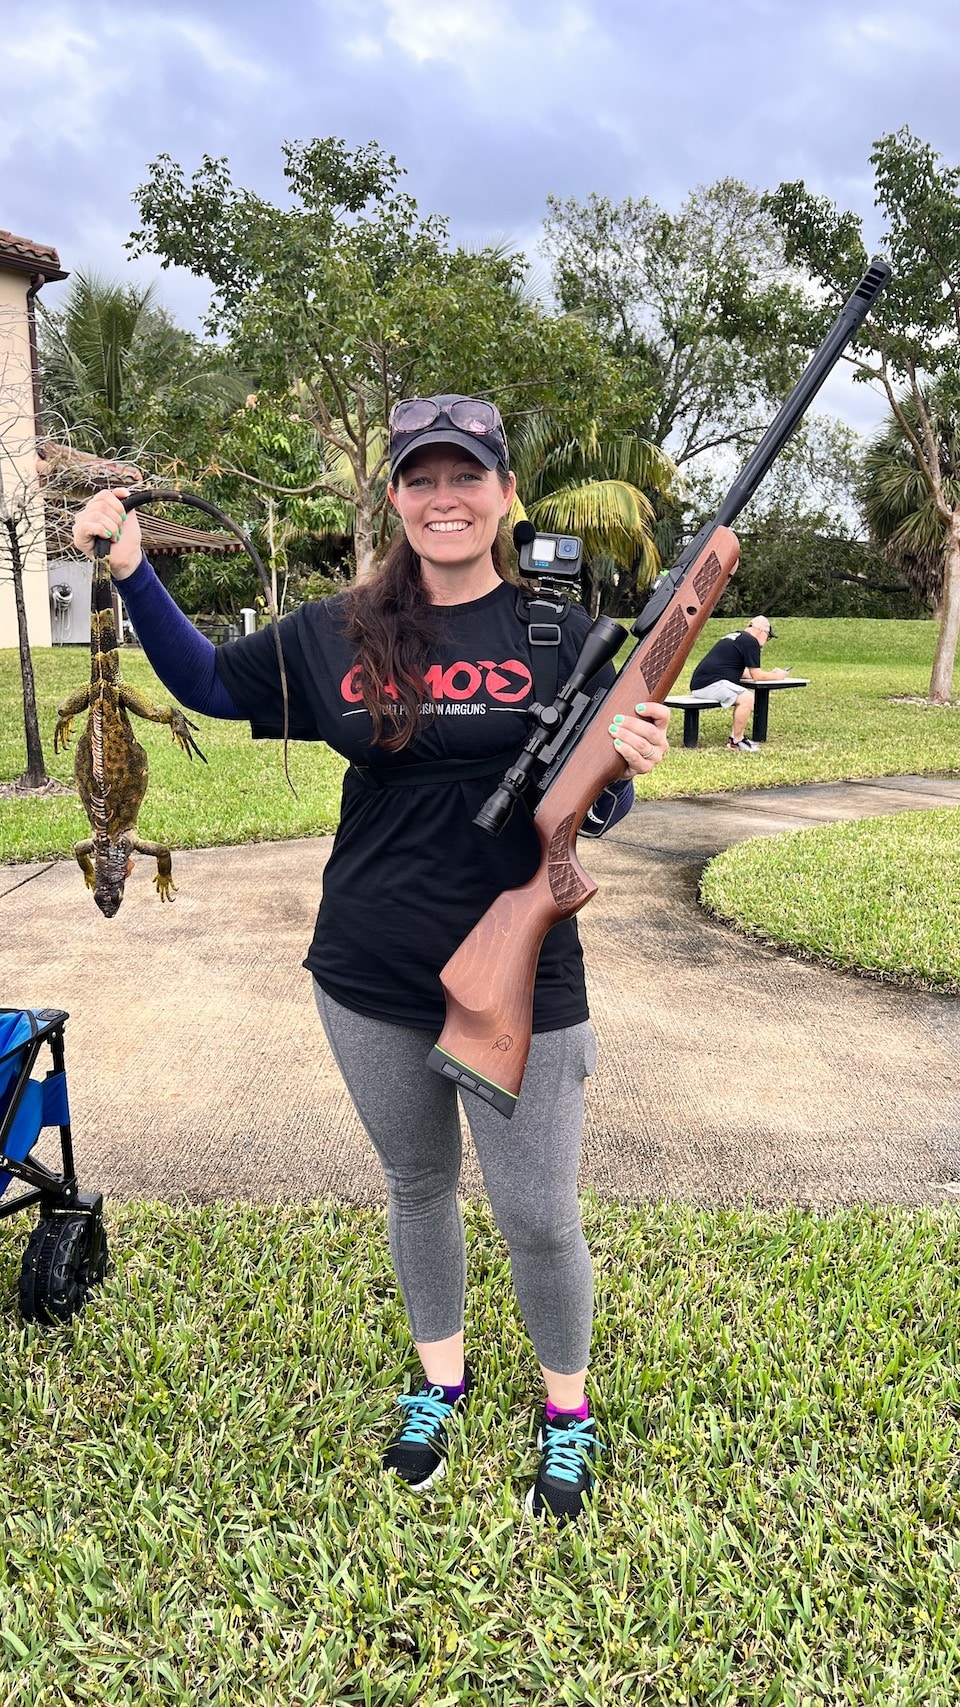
{"x": 728, "y": 1071}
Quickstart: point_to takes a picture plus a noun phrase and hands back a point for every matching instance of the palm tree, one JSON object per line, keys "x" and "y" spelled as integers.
{"x": 119, "y": 377}
{"x": 896, "y": 499}
{"x": 599, "y": 490}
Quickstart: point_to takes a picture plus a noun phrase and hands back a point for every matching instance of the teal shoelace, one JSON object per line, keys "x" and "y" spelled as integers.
{"x": 427, "y": 1413}
{"x": 565, "y": 1451}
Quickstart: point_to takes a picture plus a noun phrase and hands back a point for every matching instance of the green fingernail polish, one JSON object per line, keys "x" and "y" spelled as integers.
{"x": 618, "y": 743}
{"x": 618, "y": 720}
{"x": 641, "y": 708}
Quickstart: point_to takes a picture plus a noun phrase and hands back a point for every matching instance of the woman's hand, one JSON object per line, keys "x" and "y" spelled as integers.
{"x": 641, "y": 740}
{"x": 104, "y": 517}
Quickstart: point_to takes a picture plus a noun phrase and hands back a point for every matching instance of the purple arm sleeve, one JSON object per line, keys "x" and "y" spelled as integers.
{"x": 609, "y": 808}
{"x": 184, "y": 659}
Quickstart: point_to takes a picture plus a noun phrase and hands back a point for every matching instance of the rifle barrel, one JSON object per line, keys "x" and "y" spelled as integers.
{"x": 791, "y": 411}
{"x": 784, "y": 423}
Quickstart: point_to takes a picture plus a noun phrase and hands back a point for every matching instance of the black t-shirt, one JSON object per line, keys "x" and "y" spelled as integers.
{"x": 728, "y": 660}
{"x": 410, "y": 873}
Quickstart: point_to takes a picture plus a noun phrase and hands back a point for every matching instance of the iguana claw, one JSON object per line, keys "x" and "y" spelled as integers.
{"x": 180, "y": 728}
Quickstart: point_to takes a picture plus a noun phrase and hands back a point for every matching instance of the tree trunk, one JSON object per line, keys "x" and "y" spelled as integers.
{"x": 941, "y": 677}
{"x": 35, "y": 775}
{"x": 364, "y": 532}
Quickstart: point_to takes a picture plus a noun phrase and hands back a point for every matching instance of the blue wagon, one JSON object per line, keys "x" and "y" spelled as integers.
{"x": 67, "y": 1251}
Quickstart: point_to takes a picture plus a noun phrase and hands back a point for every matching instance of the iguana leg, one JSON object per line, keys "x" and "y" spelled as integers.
{"x": 180, "y": 726}
{"x": 83, "y": 850}
{"x": 166, "y": 888}
{"x": 67, "y": 710}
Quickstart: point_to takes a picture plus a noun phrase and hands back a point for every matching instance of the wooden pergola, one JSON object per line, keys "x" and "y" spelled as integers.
{"x": 71, "y": 476}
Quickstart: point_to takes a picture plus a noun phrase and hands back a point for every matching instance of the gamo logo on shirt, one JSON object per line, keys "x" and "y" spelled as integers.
{"x": 507, "y": 683}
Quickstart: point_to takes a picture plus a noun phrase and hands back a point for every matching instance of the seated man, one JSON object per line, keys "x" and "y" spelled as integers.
{"x": 717, "y": 676}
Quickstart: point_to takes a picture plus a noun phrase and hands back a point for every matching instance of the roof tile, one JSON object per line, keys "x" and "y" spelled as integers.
{"x": 22, "y": 249}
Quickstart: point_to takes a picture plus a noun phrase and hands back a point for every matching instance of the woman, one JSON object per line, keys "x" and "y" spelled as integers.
{"x": 420, "y": 677}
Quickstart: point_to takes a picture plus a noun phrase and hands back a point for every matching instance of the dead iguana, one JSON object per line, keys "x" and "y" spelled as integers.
{"x": 110, "y": 766}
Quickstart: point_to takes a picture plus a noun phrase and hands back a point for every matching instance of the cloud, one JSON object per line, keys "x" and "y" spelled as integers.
{"x": 514, "y": 59}
{"x": 56, "y": 68}
{"x": 879, "y": 34}
{"x": 488, "y": 106}
{"x": 72, "y": 75}
{"x": 448, "y": 30}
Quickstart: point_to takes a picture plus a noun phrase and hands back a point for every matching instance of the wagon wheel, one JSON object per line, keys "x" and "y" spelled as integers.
{"x": 65, "y": 1257}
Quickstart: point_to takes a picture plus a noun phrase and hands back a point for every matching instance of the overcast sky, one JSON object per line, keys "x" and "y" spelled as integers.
{"x": 488, "y": 106}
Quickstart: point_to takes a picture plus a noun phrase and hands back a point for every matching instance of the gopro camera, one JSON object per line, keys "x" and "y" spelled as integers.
{"x": 548, "y": 556}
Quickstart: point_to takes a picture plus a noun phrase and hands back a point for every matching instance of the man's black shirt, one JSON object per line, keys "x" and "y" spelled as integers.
{"x": 730, "y": 659}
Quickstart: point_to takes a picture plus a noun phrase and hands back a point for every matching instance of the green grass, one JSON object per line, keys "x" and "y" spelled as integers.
{"x": 846, "y": 724}
{"x": 240, "y": 795}
{"x": 192, "y": 1510}
{"x": 879, "y": 896}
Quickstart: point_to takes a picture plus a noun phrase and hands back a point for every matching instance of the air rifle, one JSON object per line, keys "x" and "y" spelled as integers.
{"x": 489, "y": 981}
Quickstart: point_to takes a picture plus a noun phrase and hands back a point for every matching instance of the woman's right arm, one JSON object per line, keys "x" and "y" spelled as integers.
{"x": 184, "y": 659}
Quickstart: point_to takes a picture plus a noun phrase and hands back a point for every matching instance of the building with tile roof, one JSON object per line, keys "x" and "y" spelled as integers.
{"x": 68, "y": 478}
{"x": 25, "y": 267}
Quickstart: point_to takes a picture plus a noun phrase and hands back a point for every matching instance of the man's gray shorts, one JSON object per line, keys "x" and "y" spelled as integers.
{"x": 726, "y": 692}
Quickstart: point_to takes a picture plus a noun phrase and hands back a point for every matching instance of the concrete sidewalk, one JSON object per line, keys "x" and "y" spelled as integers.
{"x": 728, "y": 1071}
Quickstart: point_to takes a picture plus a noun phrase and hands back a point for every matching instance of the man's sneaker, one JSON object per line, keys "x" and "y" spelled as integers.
{"x": 564, "y": 1481}
{"x": 742, "y": 746}
{"x": 418, "y": 1453}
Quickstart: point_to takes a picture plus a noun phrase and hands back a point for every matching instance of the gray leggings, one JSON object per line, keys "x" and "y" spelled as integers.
{"x": 529, "y": 1167}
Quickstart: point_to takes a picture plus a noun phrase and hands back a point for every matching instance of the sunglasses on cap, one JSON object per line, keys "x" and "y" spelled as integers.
{"x": 470, "y": 414}
{"x": 470, "y": 423}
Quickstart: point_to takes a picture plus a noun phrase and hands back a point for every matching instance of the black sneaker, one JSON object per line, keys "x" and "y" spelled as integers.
{"x": 418, "y": 1453}
{"x": 565, "y": 1478}
{"x": 742, "y": 746}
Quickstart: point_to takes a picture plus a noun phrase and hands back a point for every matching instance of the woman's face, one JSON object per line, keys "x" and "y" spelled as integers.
{"x": 450, "y": 506}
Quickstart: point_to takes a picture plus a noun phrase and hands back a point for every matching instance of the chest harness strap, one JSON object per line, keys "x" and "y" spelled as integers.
{"x": 543, "y": 616}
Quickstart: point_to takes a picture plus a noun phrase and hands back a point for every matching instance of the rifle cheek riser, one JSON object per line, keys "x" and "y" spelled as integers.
{"x": 488, "y": 983}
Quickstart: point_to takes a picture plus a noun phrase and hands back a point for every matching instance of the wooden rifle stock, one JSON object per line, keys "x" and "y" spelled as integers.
{"x": 489, "y": 981}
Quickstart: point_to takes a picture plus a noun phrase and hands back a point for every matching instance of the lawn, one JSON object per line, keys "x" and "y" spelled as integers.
{"x": 192, "y": 1509}
{"x": 239, "y": 795}
{"x": 857, "y": 718}
{"x": 877, "y": 896}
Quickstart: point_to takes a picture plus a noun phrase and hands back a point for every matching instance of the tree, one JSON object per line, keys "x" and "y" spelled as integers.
{"x": 910, "y": 342}
{"x": 117, "y": 373}
{"x": 903, "y": 519}
{"x": 21, "y": 538}
{"x": 599, "y": 490}
{"x": 264, "y": 458}
{"x": 803, "y": 546}
{"x": 692, "y": 305}
{"x": 348, "y": 300}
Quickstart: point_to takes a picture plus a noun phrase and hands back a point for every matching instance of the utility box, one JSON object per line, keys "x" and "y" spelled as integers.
{"x": 69, "y": 581}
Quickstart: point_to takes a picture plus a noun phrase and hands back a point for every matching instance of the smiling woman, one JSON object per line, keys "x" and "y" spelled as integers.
{"x": 375, "y": 672}
{"x": 451, "y": 509}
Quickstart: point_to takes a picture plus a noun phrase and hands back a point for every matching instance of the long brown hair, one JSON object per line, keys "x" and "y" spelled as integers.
{"x": 394, "y": 627}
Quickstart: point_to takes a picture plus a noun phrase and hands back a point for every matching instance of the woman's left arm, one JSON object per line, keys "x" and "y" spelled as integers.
{"x": 641, "y": 741}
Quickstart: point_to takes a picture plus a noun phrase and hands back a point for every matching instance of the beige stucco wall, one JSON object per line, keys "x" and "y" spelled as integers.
{"x": 18, "y": 468}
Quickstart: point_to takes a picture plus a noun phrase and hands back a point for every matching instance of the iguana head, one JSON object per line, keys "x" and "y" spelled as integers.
{"x": 112, "y": 866}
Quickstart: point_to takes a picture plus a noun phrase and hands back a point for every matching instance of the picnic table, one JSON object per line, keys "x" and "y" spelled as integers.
{"x": 692, "y": 708}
